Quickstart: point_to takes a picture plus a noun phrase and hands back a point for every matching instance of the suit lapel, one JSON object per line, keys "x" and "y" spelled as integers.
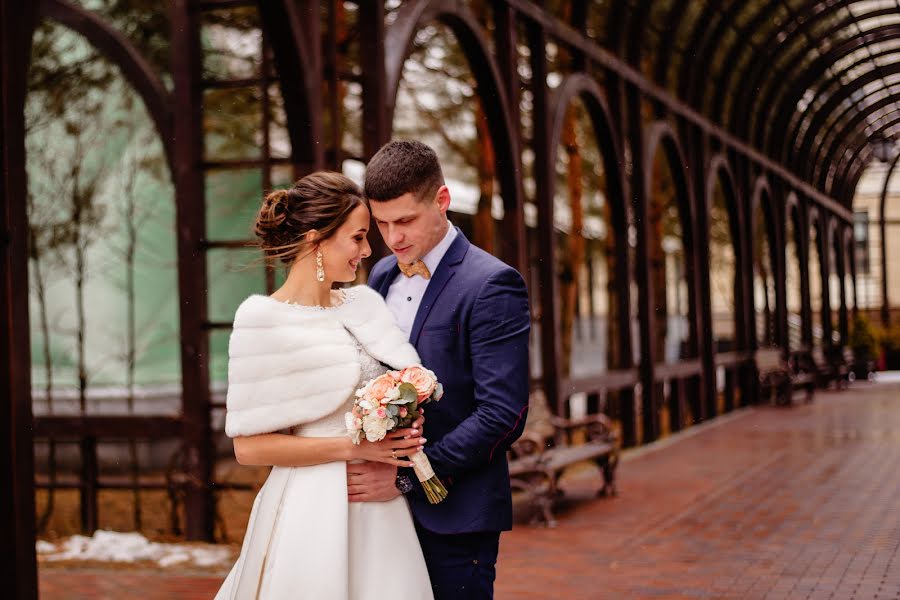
{"x": 445, "y": 271}
{"x": 385, "y": 284}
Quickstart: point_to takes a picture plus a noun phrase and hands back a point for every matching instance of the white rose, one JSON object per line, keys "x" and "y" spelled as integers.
{"x": 353, "y": 423}
{"x": 375, "y": 428}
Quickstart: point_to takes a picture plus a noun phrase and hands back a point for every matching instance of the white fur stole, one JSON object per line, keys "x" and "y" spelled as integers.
{"x": 291, "y": 364}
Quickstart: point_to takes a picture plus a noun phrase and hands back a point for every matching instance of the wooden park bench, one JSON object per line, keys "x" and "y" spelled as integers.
{"x": 545, "y": 451}
{"x": 782, "y": 378}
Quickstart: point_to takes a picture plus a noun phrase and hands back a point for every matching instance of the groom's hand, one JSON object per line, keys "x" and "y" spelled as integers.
{"x": 371, "y": 482}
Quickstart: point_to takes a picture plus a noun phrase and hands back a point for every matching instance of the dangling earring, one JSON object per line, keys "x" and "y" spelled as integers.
{"x": 320, "y": 267}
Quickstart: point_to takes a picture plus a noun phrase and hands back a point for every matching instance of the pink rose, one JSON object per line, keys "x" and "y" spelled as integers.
{"x": 421, "y": 378}
{"x": 381, "y": 413}
{"x": 403, "y": 411}
{"x": 379, "y": 388}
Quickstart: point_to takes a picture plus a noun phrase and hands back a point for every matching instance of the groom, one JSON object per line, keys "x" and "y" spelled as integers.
{"x": 467, "y": 314}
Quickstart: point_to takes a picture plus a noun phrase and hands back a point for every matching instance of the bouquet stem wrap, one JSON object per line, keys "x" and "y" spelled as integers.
{"x": 391, "y": 401}
{"x": 434, "y": 489}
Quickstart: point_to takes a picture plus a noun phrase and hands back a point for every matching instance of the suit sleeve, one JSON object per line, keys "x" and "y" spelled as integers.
{"x": 499, "y": 327}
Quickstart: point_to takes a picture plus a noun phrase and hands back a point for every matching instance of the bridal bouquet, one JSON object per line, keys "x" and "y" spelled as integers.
{"x": 391, "y": 401}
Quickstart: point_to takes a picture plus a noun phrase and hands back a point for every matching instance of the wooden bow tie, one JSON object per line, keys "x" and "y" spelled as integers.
{"x": 416, "y": 268}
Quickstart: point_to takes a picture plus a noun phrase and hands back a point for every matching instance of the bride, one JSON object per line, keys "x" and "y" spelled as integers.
{"x": 295, "y": 359}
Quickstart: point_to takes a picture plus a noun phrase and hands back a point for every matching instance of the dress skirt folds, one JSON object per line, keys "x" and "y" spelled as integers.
{"x": 305, "y": 540}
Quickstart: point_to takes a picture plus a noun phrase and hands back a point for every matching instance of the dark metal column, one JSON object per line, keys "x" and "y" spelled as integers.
{"x": 191, "y": 227}
{"x": 18, "y": 569}
{"x": 646, "y": 316}
{"x": 543, "y": 174}
{"x": 882, "y": 229}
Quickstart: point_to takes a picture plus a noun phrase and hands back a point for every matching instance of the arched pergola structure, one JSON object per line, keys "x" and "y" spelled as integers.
{"x": 781, "y": 104}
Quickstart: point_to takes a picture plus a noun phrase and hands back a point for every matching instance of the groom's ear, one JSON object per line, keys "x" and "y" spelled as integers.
{"x": 443, "y": 198}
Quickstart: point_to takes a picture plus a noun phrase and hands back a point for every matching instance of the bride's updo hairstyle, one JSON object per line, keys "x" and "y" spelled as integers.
{"x": 322, "y": 201}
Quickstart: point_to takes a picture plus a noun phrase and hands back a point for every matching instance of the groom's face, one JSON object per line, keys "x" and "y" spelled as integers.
{"x": 412, "y": 227}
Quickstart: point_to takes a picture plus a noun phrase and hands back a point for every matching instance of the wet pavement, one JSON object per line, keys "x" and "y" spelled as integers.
{"x": 766, "y": 503}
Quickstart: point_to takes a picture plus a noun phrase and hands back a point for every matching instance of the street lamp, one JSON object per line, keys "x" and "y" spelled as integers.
{"x": 883, "y": 148}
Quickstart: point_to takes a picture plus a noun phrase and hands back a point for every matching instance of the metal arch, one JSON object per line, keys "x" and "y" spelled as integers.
{"x": 719, "y": 165}
{"x": 773, "y": 96}
{"x": 491, "y": 90}
{"x": 783, "y": 122}
{"x": 618, "y": 14}
{"x": 882, "y": 204}
{"x": 858, "y": 147}
{"x": 660, "y": 135}
{"x": 762, "y": 189}
{"x": 757, "y": 69}
{"x": 620, "y": 70}
{"x": 685, "y": 80}
{"x": 763, "y": 197}
{"x": 850, "y": 261}
{"x": 815, "y": 221}
{"x": 719, "y": 169}
{"x": 667, "y": 49}
{"x": 857, "y": 125}
{"x": 752, "y": 26}
{"x": 709, "y": 41}
{"x": 834, "y": 140}
{"x": 837, "y": 269}
{"x": 761, "y": 17}
{"x": 814, "y": 72}
{"x": 117, "y": 49}
{"x": 851, "y": 181}
{"x": 830, "y": 107}
{"x": 579, "y": 85}
{"x": 770, "y": 90}
{"x": 290, "y": 34}
{"x": 795, "y": 215}
{"x": 798, "y": 119}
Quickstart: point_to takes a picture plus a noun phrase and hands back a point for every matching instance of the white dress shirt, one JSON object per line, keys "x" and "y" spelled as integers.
{"x": 405, "y": 294}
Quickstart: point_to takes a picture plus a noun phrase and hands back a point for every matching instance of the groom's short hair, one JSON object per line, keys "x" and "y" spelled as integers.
{"x": 402, "y": 167}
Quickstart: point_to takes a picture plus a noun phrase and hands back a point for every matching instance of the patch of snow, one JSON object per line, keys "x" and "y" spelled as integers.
{"x": 113, "y": 546}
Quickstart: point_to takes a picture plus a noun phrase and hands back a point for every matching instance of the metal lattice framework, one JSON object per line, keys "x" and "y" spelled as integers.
{"x": 774, "y": 102}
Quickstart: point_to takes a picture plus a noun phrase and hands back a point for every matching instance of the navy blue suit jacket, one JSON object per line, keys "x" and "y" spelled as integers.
{"x": 471, "y": 329}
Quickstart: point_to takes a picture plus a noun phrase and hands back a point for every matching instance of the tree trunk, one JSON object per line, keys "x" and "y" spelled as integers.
{"x": 571, "y": 262}
{"x": 484, "y": 221}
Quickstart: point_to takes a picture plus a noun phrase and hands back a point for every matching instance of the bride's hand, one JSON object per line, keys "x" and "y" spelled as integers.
{"x": 391, "y": 450}
{"x": 414, "y": 430}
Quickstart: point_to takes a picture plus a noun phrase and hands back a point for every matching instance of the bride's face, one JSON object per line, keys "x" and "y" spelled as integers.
{"x": 343, "y": 251}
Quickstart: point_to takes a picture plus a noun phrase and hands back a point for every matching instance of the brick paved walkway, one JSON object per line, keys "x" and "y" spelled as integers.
{"x": 771, "y": 503}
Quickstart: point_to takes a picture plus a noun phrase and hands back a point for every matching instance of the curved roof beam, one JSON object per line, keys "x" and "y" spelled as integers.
{"x": 821, "y": 115}
{"x": 730, "y": 63}
{"x": 777, "y": 97}
{"x": 851, "y": 123}
{"x": 750, "y": 83}
{"x": 799, "y": 118}
{"x": 805, "y": 68}
{"x": 819, "y": 65}
{"x": 859, "y": 150}
{"x": 686, "y": 74}
{"x": 667, "y": 49}
{"x": 757, "y": 86}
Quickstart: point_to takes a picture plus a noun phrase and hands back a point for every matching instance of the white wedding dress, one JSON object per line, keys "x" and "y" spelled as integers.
{"x": 305, "y": 540}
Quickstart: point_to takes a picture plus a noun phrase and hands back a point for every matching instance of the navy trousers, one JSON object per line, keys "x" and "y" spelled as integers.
{"x": 462, "y": 566}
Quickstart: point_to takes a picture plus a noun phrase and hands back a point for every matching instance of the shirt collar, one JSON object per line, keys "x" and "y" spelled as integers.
{"x": 434, "y": 256}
